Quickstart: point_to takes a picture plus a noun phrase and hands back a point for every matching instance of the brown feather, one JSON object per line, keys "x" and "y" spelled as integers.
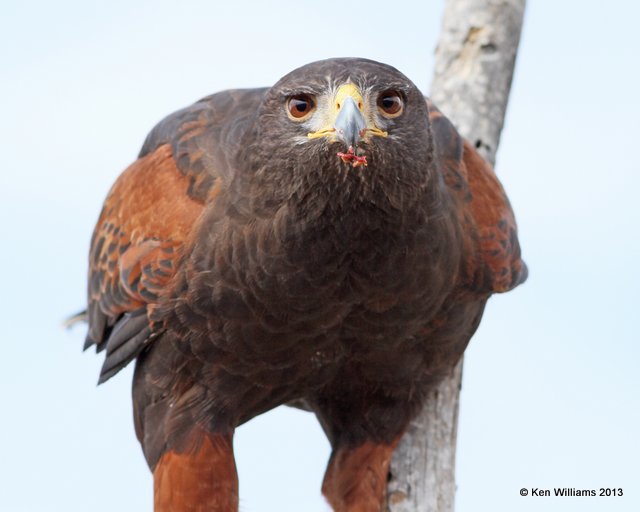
{"x": 202, "y": 477}
{"x": 492, "y": 253}
{"x": 495, "y": 222}
{"x": 139, "y": 236}
{"x": 356, "y": 478}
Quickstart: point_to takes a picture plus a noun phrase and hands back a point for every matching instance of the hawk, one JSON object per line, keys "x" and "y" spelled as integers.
{"x": 328, "y": 242}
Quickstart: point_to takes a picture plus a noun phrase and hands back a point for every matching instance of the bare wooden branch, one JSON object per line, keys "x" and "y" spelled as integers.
{"x": 475, "y": 59}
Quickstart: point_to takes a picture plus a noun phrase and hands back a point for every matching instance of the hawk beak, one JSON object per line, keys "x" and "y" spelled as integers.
{"x": 346, "y": 121}
{"x": 350, "y": 124}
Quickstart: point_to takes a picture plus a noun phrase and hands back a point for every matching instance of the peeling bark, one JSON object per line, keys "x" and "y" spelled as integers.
{"x": 475, "y": 58}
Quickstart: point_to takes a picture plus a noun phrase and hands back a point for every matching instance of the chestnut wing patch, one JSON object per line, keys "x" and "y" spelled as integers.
{"x": 137, "y": 244}
{"x": 496, "y": 225}
{"x": 492, "y": 252}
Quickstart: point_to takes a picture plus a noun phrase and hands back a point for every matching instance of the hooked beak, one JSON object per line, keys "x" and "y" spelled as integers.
{"x": 350, "y": 123}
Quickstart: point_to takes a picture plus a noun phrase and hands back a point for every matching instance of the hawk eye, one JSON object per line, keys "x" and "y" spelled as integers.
{"x": 390, "y": 103}
{"x": 300, "y": 106}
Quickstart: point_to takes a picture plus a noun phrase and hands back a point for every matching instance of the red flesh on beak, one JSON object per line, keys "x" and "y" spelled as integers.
{"x": 351, "y": 157}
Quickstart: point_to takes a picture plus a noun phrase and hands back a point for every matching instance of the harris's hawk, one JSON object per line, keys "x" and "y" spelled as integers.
{"x": 330, "y": 241}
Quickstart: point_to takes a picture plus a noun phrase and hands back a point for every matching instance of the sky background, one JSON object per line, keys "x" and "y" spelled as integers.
{"x": 551, "y": 384}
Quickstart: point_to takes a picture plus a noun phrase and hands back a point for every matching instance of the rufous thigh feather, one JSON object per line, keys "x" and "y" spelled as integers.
{"x": 356, "y": 478}
{"x": 202, "y": 478}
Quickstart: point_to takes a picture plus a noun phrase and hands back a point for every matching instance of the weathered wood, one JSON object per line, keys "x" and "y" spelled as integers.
{"x": 475, "y": 59}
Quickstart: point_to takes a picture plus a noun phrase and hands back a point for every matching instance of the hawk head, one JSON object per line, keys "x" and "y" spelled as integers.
{"x": 348, "y": 126}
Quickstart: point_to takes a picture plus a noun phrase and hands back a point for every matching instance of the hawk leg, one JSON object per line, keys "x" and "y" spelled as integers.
{"x": 202, "y": 478}
{"x": 356, "y": 478}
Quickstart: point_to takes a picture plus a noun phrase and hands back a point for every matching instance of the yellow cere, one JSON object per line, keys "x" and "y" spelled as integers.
{"x": 344, "y": 91}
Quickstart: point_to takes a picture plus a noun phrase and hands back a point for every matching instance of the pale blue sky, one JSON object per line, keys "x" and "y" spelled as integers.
{"x": 551, "y": 387}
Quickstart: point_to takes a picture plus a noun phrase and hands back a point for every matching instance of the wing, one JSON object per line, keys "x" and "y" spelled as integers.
{"x": 148, "y": 218}
{"x": 492, "y": 253}
{"x": 137, "y": 243}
